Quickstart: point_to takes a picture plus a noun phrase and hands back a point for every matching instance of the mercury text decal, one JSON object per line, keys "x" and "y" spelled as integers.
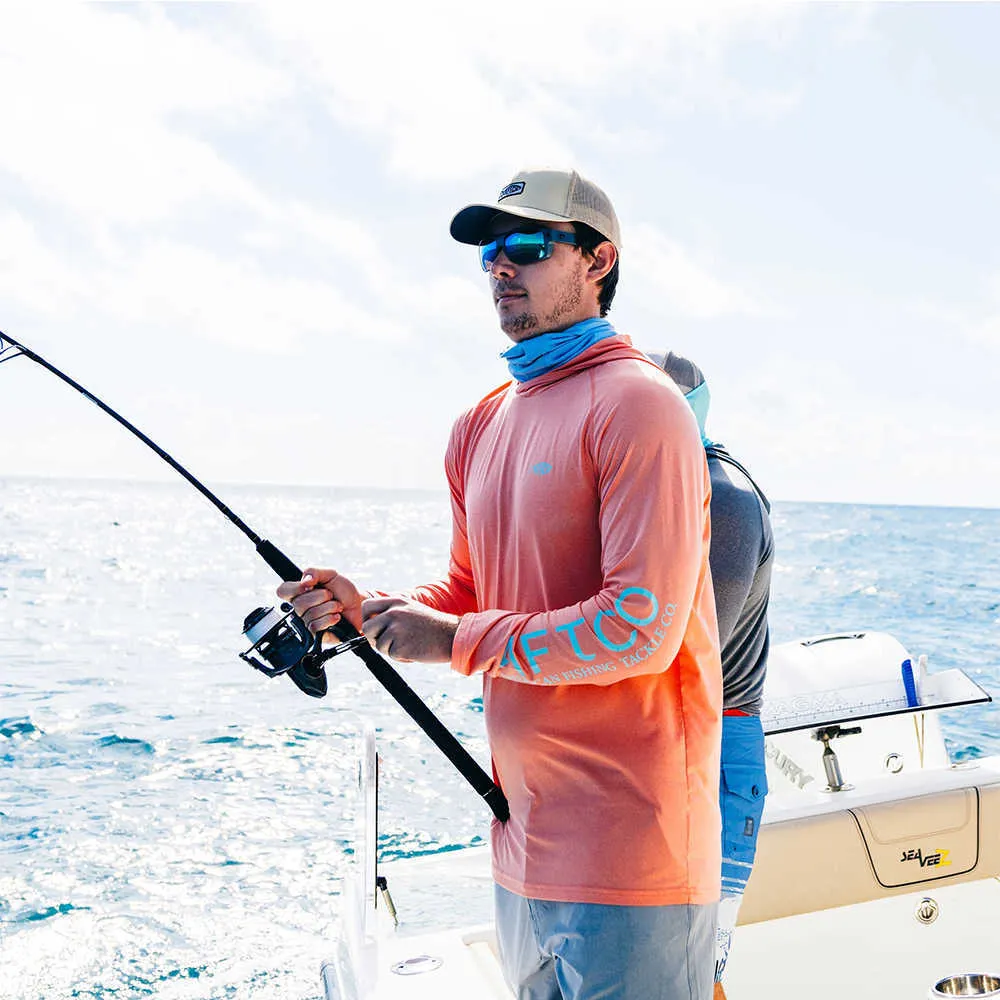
{"x": 792, "y": 771}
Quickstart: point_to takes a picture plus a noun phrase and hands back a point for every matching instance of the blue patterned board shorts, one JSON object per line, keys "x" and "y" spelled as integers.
{"x": 742, "y": 788}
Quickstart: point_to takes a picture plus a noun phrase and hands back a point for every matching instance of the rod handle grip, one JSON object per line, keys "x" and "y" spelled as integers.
{"x": 278, "y": 561}
{"x": 288, "y": 571}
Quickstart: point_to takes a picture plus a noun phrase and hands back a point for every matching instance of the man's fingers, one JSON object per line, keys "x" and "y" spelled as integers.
{"x": 376, "y": 605}
{"x": 292, "y": 588}
{"x": 316, "y": 599}
{"x": 381, "y": 640}
{"x": 312, "y": 579}
{"x": 380, "y": 628}
{"x": 317, "y": 622}
{"x": 316, "y": 610}
{"x": 374, "y": 627}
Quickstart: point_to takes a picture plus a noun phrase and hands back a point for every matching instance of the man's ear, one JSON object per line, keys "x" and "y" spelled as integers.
{"x": 602, "y": 259}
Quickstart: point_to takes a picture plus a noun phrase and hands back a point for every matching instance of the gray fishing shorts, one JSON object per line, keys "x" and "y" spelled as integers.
{"x": 586, "y": 951}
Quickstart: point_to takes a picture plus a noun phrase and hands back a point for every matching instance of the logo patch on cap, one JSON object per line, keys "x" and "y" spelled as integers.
{"x": 511, "y": 189}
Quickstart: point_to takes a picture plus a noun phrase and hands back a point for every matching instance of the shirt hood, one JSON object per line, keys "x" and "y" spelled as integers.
{"x": 616, "y": 348}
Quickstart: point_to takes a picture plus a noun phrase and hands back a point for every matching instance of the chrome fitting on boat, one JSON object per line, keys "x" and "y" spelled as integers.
{"x": 927, "y": 911}
{"x": 969, "y": 984}
{"x": 831, "y": 765}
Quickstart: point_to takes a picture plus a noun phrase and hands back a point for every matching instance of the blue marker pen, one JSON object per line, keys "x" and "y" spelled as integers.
{"x": 912, "y": 700}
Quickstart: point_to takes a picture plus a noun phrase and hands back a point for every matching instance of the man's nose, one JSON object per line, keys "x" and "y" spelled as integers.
{"x": 501, "y": 267}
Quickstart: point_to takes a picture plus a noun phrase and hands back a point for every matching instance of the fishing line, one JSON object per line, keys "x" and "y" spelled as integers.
{"x": 280, "y": 641}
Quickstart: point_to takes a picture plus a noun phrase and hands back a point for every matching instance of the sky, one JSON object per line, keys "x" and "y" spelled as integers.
{"x": 230, "y": 222}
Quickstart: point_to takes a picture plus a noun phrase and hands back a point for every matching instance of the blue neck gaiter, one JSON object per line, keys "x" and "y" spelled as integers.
{"x": 547, "y": 351}
{"x": 698, "y": 399}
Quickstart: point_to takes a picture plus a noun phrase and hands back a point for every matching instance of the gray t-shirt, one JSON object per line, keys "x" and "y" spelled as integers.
{"x": 741, "y": 556}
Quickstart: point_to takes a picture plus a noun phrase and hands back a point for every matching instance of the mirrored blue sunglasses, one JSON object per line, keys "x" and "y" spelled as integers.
{"x": 524, "y": 247}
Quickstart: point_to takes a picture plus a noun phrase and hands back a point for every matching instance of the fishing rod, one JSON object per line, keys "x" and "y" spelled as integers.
{"x": 280, "y": 641}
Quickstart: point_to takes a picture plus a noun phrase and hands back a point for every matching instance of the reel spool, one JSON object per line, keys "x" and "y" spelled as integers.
{"x": 278, "y": 640}
{"x": 280, "y": 643}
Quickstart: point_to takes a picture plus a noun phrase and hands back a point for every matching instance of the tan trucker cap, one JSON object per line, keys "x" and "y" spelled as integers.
{"x": 545, "y": 196}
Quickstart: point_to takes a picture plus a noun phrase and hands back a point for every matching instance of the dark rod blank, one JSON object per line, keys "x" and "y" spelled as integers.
{"x": 383, "y": 672}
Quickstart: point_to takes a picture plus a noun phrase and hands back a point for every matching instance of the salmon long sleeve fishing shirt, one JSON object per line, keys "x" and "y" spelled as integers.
{"x": 579, "y": 566}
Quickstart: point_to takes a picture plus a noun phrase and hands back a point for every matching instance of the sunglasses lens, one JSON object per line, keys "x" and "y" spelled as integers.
{"x": 488, "y": 253}
{"x": 520, "y": 248}
{"x": 526, "y": 248}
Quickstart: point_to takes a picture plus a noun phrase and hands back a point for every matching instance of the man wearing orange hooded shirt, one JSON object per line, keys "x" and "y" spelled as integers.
{"x": 579, "y": 589}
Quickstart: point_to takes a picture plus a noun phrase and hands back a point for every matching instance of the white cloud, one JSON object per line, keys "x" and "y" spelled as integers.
{"x": 450, "y": 98}
{"x": 249, "y": 299}
{"x": 986, "y": 333}
{"x": 414, "y": 88}
{"x": 94, "y": 126}
{"x": 277, "y": 178}
{"x": 815, "y": 431}
{"x": 674, "y": 280}
{"x": 977, "y": 326}
{"x": 399, "y": 282}
{"x": 116, "y": 103}
{"x": 32, "y": 276}
{"x": 233, "y": 301}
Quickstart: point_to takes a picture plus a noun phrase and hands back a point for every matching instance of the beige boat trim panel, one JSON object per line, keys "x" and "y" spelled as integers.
{"x": 874, "y": 851}
{"x": 923, "y": 840}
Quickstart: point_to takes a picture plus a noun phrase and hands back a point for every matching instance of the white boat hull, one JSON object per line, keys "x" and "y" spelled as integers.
{"x": 881, "y": 887}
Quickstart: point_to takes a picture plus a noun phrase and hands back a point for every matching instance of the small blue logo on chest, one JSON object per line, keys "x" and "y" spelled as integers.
{"x": 542, "y": 468}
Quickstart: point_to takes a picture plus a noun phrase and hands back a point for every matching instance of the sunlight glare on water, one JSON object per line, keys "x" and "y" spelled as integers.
{"x": 173, "y": 824}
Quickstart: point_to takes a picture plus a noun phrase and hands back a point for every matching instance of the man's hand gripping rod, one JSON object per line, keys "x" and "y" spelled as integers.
{"x": 307, "y": 671}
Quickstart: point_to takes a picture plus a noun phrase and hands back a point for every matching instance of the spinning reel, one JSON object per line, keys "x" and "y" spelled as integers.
{"x": 280, "y": 642}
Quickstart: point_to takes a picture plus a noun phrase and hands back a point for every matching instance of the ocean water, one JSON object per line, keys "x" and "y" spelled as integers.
{"x": 174, "y": 824}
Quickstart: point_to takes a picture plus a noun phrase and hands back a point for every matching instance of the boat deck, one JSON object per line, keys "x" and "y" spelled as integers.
{"x": 843, "y": 913}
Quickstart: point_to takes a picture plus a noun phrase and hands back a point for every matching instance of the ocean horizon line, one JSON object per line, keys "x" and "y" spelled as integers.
{"x": 404, "y": 491}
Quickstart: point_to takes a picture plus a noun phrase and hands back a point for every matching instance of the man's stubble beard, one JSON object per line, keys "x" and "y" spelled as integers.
{"x": 567, "y": 302}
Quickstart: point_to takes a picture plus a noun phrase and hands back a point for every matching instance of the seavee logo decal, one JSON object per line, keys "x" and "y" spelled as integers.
{"x": 935, "y": 858}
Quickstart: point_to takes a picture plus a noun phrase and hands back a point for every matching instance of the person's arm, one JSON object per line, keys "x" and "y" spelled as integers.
{"x": 419, "y": 624}
{"x": 737, "y": 544}
{"x": 653, "y": 483}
